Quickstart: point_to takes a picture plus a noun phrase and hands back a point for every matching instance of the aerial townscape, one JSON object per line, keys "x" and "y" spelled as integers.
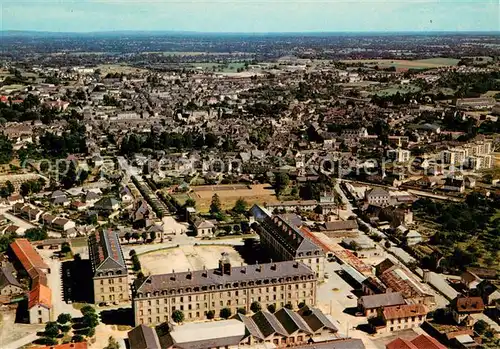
{"x": 189, "y": 190}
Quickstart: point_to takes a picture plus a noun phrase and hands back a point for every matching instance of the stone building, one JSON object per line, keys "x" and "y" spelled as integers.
{"x": 110, "y": 279}
{"x": 287, "y": 242}
{"x": 195, "y": 293}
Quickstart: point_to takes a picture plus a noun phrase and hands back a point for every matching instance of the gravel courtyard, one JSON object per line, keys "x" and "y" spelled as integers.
{"x": 186, "y": 257}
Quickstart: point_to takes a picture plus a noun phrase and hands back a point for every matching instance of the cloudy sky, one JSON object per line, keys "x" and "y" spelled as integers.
{"x": 250, "y": 15}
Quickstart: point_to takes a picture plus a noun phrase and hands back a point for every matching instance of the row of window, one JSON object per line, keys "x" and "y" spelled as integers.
{"x": 236, "y": 285}
{"x": 111, "y": 281}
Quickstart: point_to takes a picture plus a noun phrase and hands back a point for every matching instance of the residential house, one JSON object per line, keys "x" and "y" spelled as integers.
{"x": 125, "y": 195}
{"x": 15, "y": 199}
{"x": 412, "y": 237}
{"x": 39, "y": 304}
{"x": 107, "y": 204}
{"x": 489, "y": 290}
{"x": 420, "y": 342}
{"x": 371, "y": 304}
{"x": 470, "y": 279}
{"x": 403, "y": 317}
{"x": 8, "y": 284}
{"x": 63, "y": 224}
{"x": 378, "y": 197}
{"x": 452, "y": 184}
{"x": 203, "y": 227}
{"x": 462, "y": 307}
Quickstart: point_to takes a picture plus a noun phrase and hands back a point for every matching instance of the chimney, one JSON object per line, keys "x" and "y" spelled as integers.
{"x": 273, "y": 266}
{"x": 296, "y": 264}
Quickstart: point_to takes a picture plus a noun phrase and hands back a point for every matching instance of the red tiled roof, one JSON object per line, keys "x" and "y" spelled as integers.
{"x": 420, "y": 342}
{"x": 27, "y": 255}
{"x": 40, "y": 295}
{"x": 468, "y": 304}
{"x": 404, "y": 311}
{"x": 400, "y": 343}
{"x": 79, "y": 345}
{"x": 427, "y": 342}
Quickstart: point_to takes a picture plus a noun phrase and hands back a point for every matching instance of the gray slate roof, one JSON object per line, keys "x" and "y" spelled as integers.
{"x": 213, "y": 277}
{"x": 143, "y": 337}
{"x": 315, "y": 319}
{"x": 106, "y": 253}
{"x": 382, "y": 300}
{"x": 6, "y": 278}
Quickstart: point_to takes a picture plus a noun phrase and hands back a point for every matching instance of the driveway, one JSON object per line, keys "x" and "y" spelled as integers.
{"x": 54, "y": 280}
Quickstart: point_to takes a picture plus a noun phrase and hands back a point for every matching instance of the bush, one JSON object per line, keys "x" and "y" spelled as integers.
{"x": 210, "y": 314}
{"x": 241, "y": 311}
{"x": 77, "y": 338}
{"x": 289, "y": 306}
{"x": 302, "y": 304}
{"x": 271, "y": 308}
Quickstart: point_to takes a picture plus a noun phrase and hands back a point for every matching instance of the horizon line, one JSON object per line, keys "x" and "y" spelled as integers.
{"x": 245, "y": 32}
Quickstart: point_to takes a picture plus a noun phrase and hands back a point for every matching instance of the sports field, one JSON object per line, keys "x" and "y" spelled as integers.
{"x": 228, "y": 194}
{"x": 407, "y": 64}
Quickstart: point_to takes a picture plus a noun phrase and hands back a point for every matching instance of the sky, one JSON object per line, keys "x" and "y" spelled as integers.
{"x": 250, "y": 16}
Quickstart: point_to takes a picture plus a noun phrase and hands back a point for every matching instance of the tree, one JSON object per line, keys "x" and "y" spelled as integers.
{"x": 36, "y": 234}
{"x": 240, "y": 206}
{"x": 112, "y": 343}
{"x": 152, "y": 235}
{"x": 87, "y": 309}
{"x": 51, "y": 329}
{"x": 302, "y": 304}
{"x": 271, "y": 308}
{"x": 481, "y": 326}
{"x": 10, "y": 187}
{"x": 65, "y": 247}
{"x": 127, "y": 236}
{"x": 225, "y": 313}
{"x": 255, "y": 307}
{"x": 6, "y": 150}
{"x": 241, "y": 311}
{"x": 64, "y": 318}
{"x": 210, "y": 314}
{"x": 90, "y": 320}
{"x": 144, "y": 236}
{"x": 132, "y": 253}
{"x": 281, "y": 182}
{"x": 215, "y": 205}
{"x": 387, "y": 244}
{"x": 135, "y": 236}
{"x": 289, "y": 306}
{"x": 178, "y": 316}
{"x": 190, "y": 203}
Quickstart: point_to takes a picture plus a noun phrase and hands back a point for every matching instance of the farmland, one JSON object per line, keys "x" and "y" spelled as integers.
{"x": 407, "y": 64}
{"x": 254, "y": 194}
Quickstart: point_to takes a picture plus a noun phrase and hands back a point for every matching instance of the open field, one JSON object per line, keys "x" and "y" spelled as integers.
{"x": 228, "y": 194}
{"x": 407, "y": 64}
{"x": 231, "y": 67}
{"x": 186, "y": 258}
{"x": 398, "y": 88}
{"x": 118, "y": 68}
